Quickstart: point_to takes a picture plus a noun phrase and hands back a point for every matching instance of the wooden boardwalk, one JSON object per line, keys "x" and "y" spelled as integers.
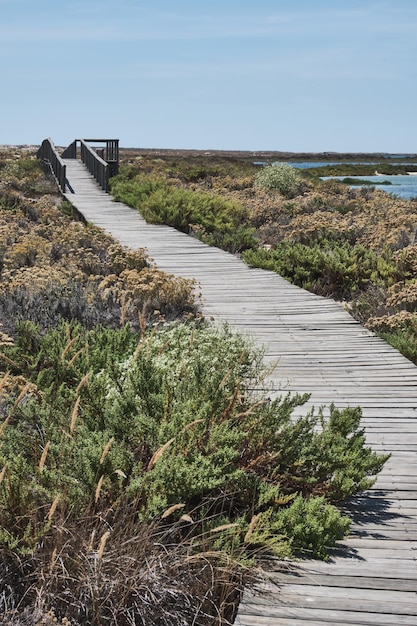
{"x": 372, "y": 576}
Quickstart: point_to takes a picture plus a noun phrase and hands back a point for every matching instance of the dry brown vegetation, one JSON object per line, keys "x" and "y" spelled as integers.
{"x": 355, "y": 245}
{"x": 53, "y": 267}
{"x": 141, "y": 476}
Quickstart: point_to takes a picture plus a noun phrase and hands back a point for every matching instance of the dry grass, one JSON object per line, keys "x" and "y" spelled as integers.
{"x": 110, "y": 569}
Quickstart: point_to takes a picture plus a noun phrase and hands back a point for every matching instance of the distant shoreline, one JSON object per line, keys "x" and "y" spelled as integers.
{"x": 275, "y": 155}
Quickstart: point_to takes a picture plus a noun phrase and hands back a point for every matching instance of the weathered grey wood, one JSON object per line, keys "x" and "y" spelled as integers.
{"x": 317, "y": 617}
{"x": 346, "y": 582}
{"x": 372, "y": 600}
{"x": 52, "y": 163}
{"x": 372, "y": 576}
{"x": 336, "y": 619}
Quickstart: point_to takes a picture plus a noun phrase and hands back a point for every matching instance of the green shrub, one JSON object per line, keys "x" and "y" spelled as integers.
{"x": 329, "y": 268}
{"x": 133, "y": 191}
{"x": 214, "y": 219}
{"x": 282, "y": 177}
{"x": 312, "y": 525}
{"x": 24, "y": 168}
{"x": 399, "y": 330}
{"x": 404, "y": 340}
{"x": 170, "y": 423}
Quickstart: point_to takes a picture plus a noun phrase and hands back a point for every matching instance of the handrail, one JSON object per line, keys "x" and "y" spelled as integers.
{"x": 102, "y": 163}
{"x": 110, "y": 153}
{"x": 111, "y": 149}
{"x": 95, "y": 165}
{"x": 71, "y": 151}
{"x": 51, "y": 160}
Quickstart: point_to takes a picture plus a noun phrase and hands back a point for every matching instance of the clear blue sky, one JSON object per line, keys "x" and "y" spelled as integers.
{"x": 296, "y": 75}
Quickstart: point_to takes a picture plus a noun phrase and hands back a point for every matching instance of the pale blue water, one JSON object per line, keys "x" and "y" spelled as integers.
{"x": 303, "y": 165}
{"x": 306, "y": 164}
{"x": 402, "y": 186}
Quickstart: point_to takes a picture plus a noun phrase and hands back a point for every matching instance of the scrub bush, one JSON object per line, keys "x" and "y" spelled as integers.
{"x": 52, "y": 268}
{"x": 281, "y": 177}
{"x": 140, "y": 472}
{"x": 170, "y": 422}
{"x": 329, "y": 268}
{"x": 214, "y": 219}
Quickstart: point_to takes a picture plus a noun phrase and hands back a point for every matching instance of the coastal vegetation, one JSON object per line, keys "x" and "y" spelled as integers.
{"x": 350, "y": 180}
{"x": 280, "y": 177}
{"x": 362, "y": 169}
{"x": 357, "y": 245}
{"x": 218, "y": 221}
{"x": 143, "y": 471}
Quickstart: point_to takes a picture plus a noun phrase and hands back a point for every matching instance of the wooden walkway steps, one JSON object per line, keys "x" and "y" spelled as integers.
{"x": 372, "y": 577}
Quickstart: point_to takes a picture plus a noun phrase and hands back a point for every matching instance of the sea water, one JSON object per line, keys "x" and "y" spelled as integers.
{"x": 401, "y": 186}
{"x": 304, "y": 165}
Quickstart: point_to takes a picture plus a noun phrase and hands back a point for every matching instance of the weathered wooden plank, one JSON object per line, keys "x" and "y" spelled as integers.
{"x": 347, "y": 582}
{"x": 381, "y": 602}
{"x": 362, "y": 600}
{"x": 372, "y": 577}
{"x": 382, "y": 568}
{"x": 312, "y": 616}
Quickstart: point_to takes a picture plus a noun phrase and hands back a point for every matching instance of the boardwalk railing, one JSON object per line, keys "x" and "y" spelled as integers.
{"x": 109, "y": 152}
{"x": 95, "y": 165}
{"x": 71, "y": 151}
{"x": 51, "y": 160}
{"x": 101, "y": 162}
